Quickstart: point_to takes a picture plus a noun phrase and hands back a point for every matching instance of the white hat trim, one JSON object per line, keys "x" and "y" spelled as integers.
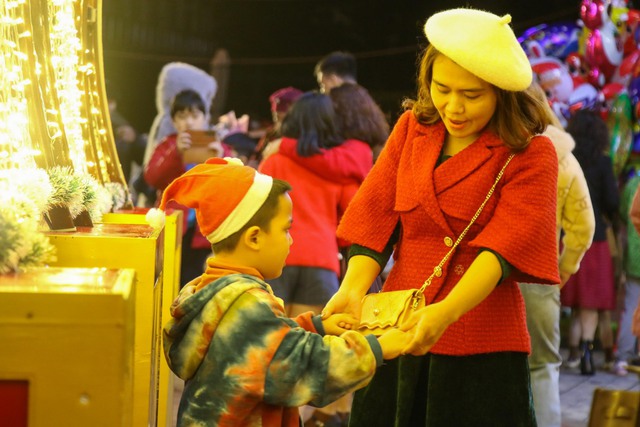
{"x": 244, "y": 211}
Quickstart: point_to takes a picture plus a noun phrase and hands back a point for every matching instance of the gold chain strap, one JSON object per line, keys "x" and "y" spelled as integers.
{"x": 437, "y": 271}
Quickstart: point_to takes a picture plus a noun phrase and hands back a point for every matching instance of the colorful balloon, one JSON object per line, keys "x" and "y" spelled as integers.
{"x": 620, "y": 128}
{"x": 557, "y": 39}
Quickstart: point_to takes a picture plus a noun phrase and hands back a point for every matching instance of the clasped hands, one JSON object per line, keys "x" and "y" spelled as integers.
{"x": 415, "y": 336}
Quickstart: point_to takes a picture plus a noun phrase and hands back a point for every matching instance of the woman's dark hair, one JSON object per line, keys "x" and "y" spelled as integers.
{"x": 358, "y": 116}
{"x": 262, "y": 218}
{"x": 591, "y": 134}
{"x": 187, "y": 100}
{"x": 312, "y": 121}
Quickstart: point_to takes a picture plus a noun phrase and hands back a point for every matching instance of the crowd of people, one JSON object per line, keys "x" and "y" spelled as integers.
{"x": 477, "y": 188}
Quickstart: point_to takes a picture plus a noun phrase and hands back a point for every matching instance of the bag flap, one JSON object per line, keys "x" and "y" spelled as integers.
{"x": 383, "y": 309}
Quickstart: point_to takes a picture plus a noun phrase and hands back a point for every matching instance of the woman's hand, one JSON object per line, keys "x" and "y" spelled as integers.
{"x": 343, "y": 302}
{"x": 427, "y": 326}
{"x": 393, "y": 342}
{"x": 429, "y": 323}
{"x": 361, "y": 271}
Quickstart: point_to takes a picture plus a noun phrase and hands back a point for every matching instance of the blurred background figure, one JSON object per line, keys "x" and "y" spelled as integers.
{"x": 591, "y": 292}
{"x": 280, "y": 102}
{"x": 576, "y": 223}
{"x": 169, "y": 161}
{"x": 359, "y": 117}
{"x": 173, "y": 79}
{"x": 627, "y": 345}
{"x": 336, "y": 69}
{"x": 129, "y": 144}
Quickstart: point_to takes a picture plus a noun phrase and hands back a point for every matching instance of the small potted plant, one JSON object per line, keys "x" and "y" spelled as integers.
{"x": 65, "y": 202}
{"x": 88, "y": 186}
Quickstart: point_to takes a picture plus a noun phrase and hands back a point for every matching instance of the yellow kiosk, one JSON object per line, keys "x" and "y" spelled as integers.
{"x": 67, "y": 347}
{"x": 170, "y": 288}
{"x": 139, "y": 247}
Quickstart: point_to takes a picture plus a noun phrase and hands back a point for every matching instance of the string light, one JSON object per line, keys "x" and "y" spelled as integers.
{"x": 52, "y": 103}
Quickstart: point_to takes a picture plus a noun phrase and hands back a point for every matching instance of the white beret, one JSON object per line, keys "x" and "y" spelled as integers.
{"x": 483, "y": 44}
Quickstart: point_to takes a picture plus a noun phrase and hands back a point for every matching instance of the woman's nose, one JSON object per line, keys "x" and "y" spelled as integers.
{"x": 456, "y": 104}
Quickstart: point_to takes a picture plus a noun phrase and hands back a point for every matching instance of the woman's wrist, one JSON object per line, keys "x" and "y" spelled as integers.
{"x": 449, "y": 312}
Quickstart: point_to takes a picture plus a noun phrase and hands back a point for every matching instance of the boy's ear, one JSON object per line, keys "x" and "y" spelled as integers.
{"x": 251, "y": 237}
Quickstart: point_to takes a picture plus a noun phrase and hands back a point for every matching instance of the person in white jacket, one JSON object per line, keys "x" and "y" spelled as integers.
{"x": 576, "y": 220}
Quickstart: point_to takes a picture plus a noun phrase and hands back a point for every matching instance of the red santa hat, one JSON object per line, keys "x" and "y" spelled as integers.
{"x": 225, "y": 194}
{"x": 282, "y": 99}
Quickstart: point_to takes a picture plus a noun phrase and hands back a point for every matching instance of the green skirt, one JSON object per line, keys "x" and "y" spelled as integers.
{"x": 447, "y": 391}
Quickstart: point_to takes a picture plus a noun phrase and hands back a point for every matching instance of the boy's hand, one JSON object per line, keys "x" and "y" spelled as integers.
{"x": 393, "y": 342}
{"x": 339, "y": 323}
{"x": 183, "y": 141}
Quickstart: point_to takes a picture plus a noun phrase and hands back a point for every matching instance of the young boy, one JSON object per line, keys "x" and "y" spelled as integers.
{"x": 244, "y": 362}
{"x": 188, "y": 113}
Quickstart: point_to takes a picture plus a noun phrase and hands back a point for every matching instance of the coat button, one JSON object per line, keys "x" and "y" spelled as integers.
{"x": 448, "y": 241}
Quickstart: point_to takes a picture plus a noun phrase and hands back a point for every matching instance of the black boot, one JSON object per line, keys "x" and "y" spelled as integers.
{"x": 586, "y": 359}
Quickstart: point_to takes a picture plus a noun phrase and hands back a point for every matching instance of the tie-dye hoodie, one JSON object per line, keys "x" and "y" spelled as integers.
{"x": 246, "y": 364}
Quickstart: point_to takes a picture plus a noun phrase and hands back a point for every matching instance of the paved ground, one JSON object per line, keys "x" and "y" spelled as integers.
{"x": 576, "y": 391}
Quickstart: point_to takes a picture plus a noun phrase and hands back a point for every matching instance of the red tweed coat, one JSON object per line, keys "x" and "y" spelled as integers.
{"x": 435, "y": 204}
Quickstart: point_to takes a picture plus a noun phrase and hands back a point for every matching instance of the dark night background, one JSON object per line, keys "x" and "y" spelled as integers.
{"x": 276, "y": 43}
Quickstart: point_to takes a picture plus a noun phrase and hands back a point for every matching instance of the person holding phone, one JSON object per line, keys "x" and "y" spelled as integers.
{"x": 178, "y": 153}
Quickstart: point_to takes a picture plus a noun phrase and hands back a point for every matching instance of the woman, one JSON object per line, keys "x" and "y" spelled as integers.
{"x": 591, "y": 291}
{"x": 435, "y": 171}
{"x": 310, "y": 276}
{"x": 359, "y": 117}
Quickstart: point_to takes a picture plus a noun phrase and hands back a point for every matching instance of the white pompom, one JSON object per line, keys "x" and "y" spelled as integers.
{"x": 234, "y": 161}
{"x": 155, "y": 218}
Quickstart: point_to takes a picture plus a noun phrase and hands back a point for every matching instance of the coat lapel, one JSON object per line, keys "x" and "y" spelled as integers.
{"x": 430, "y": 181}
{"x": 427, "y": 146}
{"x": 467, "y": 161}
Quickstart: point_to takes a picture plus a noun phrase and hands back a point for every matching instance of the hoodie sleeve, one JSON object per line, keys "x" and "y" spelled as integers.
{"x": 347, "y": 163}
{"x": 577, "y": 218}
{"x": 272, "y": 358}
{"x": 165, "y": 164}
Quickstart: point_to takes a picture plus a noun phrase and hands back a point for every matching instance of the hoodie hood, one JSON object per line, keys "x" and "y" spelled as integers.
{"x": 562, "y": 141}
{"x": 195, "y": 319}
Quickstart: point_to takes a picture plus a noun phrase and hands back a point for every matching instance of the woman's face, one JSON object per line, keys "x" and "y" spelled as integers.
{"x": 465, "y": 102}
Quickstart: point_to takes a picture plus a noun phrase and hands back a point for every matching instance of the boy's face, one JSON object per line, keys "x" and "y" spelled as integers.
{"x": 277, "y": 240}
{"x": 191, "y": 119}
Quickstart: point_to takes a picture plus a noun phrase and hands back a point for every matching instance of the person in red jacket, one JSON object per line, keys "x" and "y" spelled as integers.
{"x": 168, "y": 162}
{"x": 472, "y": 126}
{"x": 310, "y": 277}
